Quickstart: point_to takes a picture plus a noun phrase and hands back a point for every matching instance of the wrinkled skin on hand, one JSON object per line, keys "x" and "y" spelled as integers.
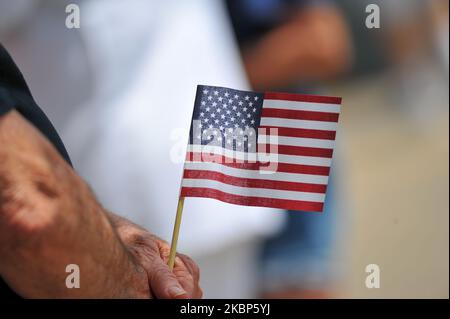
{"x": 152, "y": 253}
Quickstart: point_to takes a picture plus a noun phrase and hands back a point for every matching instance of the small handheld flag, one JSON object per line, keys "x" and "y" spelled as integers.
{"x": 259, "y": 149}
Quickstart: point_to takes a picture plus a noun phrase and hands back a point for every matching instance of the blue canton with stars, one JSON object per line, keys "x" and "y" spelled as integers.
{"x": 226, "y": 117}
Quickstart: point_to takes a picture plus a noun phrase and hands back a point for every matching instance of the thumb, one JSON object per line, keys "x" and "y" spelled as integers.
{"x": 163, "y": 282}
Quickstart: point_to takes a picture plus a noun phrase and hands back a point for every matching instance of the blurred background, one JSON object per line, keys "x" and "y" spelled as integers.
{"x": 120, "y": 91}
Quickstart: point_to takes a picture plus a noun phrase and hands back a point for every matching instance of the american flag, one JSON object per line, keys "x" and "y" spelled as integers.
{"x": 260, "y": 149}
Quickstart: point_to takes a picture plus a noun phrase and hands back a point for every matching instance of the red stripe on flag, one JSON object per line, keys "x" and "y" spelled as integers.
{"x": 295, "y": 150}
{"x": 300, "y": 115}
{"x": 300, "y": 132}
{"x": 255, "y": 183}
{"x": 281, "y": 167}
{"x": 251, "y": 201}
{"x": 302, "y": 98}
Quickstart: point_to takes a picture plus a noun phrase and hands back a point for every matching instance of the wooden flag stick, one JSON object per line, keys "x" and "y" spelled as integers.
{"x": 176, "y": 231}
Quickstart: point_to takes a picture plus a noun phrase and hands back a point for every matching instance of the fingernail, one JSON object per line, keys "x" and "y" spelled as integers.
{"x": 176, "y": 291}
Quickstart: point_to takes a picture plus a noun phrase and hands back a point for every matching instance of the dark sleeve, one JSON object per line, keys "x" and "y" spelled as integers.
{"x": 15, "y": 94}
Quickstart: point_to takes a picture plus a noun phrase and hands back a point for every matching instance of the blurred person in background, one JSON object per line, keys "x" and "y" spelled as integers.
{"x": 290, "y": 43}
{"x": 415, "y": 41}
{"x": 295, "y": 46}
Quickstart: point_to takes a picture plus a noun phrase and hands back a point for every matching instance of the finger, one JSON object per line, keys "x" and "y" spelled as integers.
{"x": 164, "y": 249}
{"x": 191, "y": 265}
{"x": 164, "y": 283}
{"x": 186, "y": 278}
{"x": 195, "y": 271}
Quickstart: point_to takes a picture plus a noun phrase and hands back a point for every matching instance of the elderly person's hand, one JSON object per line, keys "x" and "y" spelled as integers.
{"x": 152, "y": 254}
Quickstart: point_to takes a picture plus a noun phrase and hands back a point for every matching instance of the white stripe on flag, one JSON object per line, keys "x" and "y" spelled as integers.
{"x": 256, "y": 192}
{"x": 295, "y": 141}
{"x": 305, "y": 124}
{"x": 301, "y": 106}
{"x": 253, "y": 157}
{"x": 256, "y": 174}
